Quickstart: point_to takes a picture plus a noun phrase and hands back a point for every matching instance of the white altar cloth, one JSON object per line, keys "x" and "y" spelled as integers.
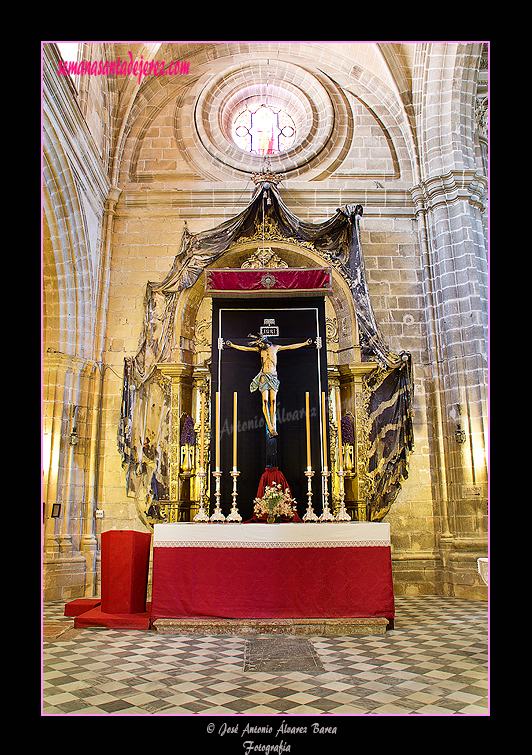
{"x": 312, "y": 535}
{"x": 315, "y": 570}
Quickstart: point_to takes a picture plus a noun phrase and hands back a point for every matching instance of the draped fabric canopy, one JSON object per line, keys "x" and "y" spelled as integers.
{"x": 337, "y": 240}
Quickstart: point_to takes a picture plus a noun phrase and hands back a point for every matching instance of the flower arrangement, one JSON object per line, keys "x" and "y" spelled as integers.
{"x": 275, "y": 504}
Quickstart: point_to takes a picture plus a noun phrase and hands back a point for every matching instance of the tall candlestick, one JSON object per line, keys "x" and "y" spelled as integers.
{"x": 307, "y": 415}
{"x": 324, "y": 431}
{"x": 234, "y": 429}
{"x": 339, "y": 422}
{"x": 234, "y": 516}
{"x": 217, "y": 516}
{"x": 309, "y": 515}
{"x": 217, "y": 431}
{"x": 326, "y": 515}
{"x": 342, "y": 515}
{"x": 202, "y": 515}
{"x": 202, "y": 429}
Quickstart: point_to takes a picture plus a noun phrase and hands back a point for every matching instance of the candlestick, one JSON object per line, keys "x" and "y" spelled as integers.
{"x": 202, "y": 515}
{"x": 217, "y": 420}
{"x": 309, "y": 515}
{"x": 234, "y": 516}
{"x": 339, "y": 422}
{"x": 326, "y": 516}
{"x": 342, "y": 515}
{"x": 202, "y": 449}
{"x": 307, "y": 415}
{"x": 324, "y": 431}
{"x": 234, "y": 429}
{"x": 217, "y": 515}
{"x": 202, "y": 428}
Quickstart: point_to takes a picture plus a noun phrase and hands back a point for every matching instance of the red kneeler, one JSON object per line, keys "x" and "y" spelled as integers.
{"x": 124, "y": 568}
{"x": 125, "y": 562}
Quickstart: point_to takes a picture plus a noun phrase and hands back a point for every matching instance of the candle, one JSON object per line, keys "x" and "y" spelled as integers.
{"x": 202, "y": 429}
{"x": 217, "y": 431}
{"x": 234, "y": 429}
{"x": 324, "y": 431}
{"x": 339, "y": 421}
{"x": 307, "y": 415}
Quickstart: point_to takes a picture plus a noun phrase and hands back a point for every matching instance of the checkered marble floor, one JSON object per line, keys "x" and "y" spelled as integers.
{"x": 435, "y": 662}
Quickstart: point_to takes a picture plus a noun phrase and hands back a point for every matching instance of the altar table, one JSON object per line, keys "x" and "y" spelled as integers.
{"x": 263, "y": 571}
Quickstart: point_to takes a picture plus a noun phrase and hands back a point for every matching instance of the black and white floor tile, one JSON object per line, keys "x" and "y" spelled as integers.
{"x": 434, "y": 662}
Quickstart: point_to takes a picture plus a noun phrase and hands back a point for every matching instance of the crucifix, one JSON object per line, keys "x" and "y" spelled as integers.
{"x": 267, "y": 381}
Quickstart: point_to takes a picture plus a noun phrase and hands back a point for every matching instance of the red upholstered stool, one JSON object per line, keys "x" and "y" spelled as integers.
{"x": 125, "y": 563}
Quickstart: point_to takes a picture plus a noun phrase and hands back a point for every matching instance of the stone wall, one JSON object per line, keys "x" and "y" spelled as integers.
{"x": 125, "y": 170}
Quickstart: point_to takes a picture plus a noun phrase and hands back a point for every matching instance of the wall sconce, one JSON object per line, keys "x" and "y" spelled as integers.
{"x": 74, "y": 439}
{"x": 460, "y": 435}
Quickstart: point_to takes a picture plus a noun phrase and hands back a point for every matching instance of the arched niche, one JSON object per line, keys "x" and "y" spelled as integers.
{"x": 190, "y": 367}
{"x": 193, "y": 310}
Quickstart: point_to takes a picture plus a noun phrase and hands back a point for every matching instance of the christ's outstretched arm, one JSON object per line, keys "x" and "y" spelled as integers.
{"x": 241, "y": 348}
{"x": 308, "y": 342}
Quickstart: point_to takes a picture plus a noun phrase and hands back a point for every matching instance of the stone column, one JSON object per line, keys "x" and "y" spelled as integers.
{"x": 68, "y": 391}
{"x": 449, "y": 211}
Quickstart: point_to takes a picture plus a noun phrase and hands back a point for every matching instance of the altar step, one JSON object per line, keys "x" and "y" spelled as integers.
{"x": 342, "y": 626}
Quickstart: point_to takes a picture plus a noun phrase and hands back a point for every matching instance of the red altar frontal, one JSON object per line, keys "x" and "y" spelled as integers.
{"x": 272, "y": 571}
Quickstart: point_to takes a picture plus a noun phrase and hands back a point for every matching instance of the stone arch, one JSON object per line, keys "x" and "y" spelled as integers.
{"x": 339, "y": 302}
{"x": 65, "y": 253}
{"x": 448, "y": 112}
{"x": 389, "y": 111}
{"x": 318, "y": 93}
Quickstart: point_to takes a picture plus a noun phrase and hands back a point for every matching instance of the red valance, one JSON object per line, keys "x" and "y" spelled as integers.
{"x": 273, "y": 583}
{"x": 268, "y": 279}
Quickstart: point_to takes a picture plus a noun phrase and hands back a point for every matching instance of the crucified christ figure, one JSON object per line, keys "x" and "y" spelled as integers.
{"x": 267, "y": 381}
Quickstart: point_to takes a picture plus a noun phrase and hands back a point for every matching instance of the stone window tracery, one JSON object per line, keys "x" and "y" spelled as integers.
{"x": 264, "y": 130}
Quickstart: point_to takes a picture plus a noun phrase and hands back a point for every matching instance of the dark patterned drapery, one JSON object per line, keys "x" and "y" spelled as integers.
{"x": 142, "y": 437}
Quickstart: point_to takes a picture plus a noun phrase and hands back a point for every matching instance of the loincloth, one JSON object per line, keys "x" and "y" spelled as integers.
{"x": 264, "y": 381}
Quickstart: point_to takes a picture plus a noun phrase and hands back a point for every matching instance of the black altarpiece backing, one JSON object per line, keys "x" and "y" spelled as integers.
{"x": 299, "y": 371}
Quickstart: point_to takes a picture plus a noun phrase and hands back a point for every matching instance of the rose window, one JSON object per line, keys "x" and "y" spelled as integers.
{"x": 264, "y": 130}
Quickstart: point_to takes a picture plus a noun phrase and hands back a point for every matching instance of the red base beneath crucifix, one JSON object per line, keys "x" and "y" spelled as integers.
{"x": 270, "y": 476}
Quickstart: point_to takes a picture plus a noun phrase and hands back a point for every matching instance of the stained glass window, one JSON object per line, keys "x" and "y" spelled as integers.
{"x": 264, "y": 130}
